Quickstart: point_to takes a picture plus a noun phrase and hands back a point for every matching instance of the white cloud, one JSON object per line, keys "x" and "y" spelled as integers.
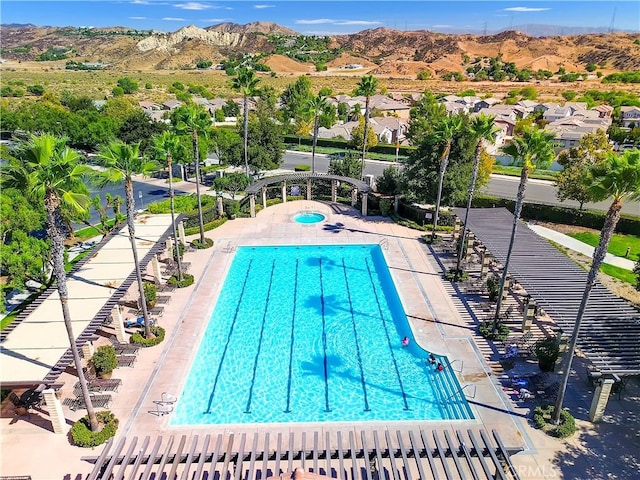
{"x": 441, "y": 26}
{"x": 174, "y": 19}
{"x": 263, "y": 6}
{"x": 137, "y": 18}
{"x": 525, "y": 9}
{"x": 356, "y": 22}
{"x": 193, "y": 6}
{"x": 317, "y": 21}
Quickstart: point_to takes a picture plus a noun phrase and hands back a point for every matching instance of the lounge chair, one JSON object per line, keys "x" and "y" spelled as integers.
{"x": 137, "y": 323}
{"x": 100, "y": 385}
{"x": 126, "y": 360}
{"x": 123, "y": 348}
{"x": 98, "y": 401}
{"x": 162, "y": 409}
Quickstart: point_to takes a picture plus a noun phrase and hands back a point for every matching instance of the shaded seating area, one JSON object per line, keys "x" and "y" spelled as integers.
{"x": 100, "y": 400}
{"x": 610, "y": 333}
{"x": 378, "y": 454}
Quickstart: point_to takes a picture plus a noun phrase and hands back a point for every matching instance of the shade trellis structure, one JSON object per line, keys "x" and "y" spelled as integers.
{"x": 260, "y": 187}
{"x": 344, "y": 455}
{"x": 610, "y": 330}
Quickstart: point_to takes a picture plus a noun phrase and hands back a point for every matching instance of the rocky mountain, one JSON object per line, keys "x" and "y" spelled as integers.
{"x": 382, "y": 51}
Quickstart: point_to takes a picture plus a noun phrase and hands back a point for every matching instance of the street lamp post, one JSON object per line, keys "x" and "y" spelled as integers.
{"x": 140, "y": 197}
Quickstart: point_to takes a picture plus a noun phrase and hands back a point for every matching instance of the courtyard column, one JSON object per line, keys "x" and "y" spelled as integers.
{"x": 365, "y": 198}
{"x": 155, "y": 265}
{"x": 54, "y": 407}
{"x": 456, "y": 229}
{"x": 284, "y": 191}
{"x": 334, "y": 191}
{"x": 484, "y": 263}
{"x": 169, "y": 251}
{"x": 600, "y": 398}
{"x": 219, "y": 206}
{"x": 505, "y": 290}
{"x": 354, "y": 197}
{"x": 181, "y": 236}
{"x": 263, "y": 191}
{"x": 87, "y": 350}
{"x": 470, "y": 239}
{"x": 308, "y": 189}
{"x": 252, "y": 205}
{"x": 118, "y": 324}
{"x": 396, "y": 203}
{"x": 528, "y": 313}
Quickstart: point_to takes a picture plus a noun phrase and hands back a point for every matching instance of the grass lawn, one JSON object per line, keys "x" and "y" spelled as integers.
{"x": 618, "y": 245}
{"x": 516, "y": 171}
{"x": 619, "y": 273}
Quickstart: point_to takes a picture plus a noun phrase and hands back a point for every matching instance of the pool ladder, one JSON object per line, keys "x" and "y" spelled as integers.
{"x": 229, "y": 248}
{"x": 384, "y": 244}
{"x": 461, "y": 390}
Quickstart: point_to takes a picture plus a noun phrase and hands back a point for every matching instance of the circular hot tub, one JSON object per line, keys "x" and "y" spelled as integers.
{"x": 308, "y": 217}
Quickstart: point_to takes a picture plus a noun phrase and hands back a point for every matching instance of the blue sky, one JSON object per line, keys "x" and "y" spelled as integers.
{"x": 324, "y": 17}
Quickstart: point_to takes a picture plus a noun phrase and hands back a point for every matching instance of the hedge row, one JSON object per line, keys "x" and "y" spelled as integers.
{"x": 344, "y": 144}
{"x": 555, "y": 214}
{"x": 83, "y": 436}
{"x": 156, "y": 330}
{"x": 207, "y": 226}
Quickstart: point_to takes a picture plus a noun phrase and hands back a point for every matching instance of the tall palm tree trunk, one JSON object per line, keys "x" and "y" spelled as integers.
{"x": 315, "y": 142}
{"x": 610, "y": 222}
{"x": 128, "y": 188}
{"x": 364, "y": 136}
{"x": 54, "y": 231}
{"x": 173, "y": 217}
{"x": 196, "y": 159}
{"x": 516, "y": 216}
{"x": 443, "y": 169}
{"x": 246, "y": 135}
{"x": 472, "y": 186}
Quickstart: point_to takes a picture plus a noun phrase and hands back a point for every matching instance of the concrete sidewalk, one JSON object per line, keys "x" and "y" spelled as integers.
{"x": 578, "y": 246}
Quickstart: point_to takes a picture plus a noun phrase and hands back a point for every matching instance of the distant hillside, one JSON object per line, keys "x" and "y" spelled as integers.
{"x": 381, "y": 51}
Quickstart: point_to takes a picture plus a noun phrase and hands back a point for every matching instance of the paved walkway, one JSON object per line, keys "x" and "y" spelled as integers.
{"x": 578, "y": 246}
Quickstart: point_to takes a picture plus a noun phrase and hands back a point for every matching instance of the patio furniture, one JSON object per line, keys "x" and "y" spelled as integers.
{"x": 123, "y": 348}
{"x": 548, "y": 393}
{"x": 98, "y": 401}
{"x": 100, "y": 385}
{"x": 163, "y": 299}
{"x": 126, "y": 360}
{"x": 162, "y": 409}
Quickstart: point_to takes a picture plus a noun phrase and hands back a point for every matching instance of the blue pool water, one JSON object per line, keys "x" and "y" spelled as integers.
{"x": 308, "y": 217}
{"x": 312, "y": 334}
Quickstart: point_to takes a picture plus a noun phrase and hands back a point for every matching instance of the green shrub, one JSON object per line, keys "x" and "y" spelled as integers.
{"x": 187, "y": 204}
{"x": 302, "y": 168}
{"x": 493, "y": 287}
{"x": 181, "y": 249}
{"x": 547, "y": 351}
{"x": 104, "y": 359}
{"x": 455, "y": 275}
{"x": 207, "y": 226}
{"x": 139, "y": 339}
{"x": 385, "y": 206}
{"x": 485, "y": 329}
{"x": 208, "y": 243}
{"x": 187, "y": 280}
{"x": 150, "y": 293}
{"x": 542, "y": 420}
{"x": 83, "y": 436}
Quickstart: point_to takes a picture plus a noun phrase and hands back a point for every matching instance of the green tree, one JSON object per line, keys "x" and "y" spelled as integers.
{"x": 427, "y": 112}
{"x": 389, "y": 182}
{"x": 231, "y": 182}
{"x": 120, "y": 162}
{"x": 483, "y": 129}
{"x": 443, "y": 133}
{"x": 266, "y": 148}
{"x": 591, "y": 149}
{"x": 227, "y": 144}
{"x": 127, "y": 85}
{"x": 231, "y": 109}
{"x": 167, "y": 144}
{"x": 616, "y": 178}
{"x": 345, "y": 166}
{"x": 138, "y": 128}
{"x": 37, "y": 90}
{"x": 245, "y": 82}
{"x": 48, "y": 172}
{"x": 636, "y": 270}
{"x": 314, "y": 108}
{"x": 357, "y": 136}
{"x": 367, "y": 87}
{"x": 534, "y": 149}
{"x": 293, "y": 100}
{"x": 194, "y": 121}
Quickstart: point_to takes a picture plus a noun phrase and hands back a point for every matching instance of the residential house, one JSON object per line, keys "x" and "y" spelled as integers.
{"x": 543, "y": 107}
{"x": 528, "y": 105}
{"x": 630, "y": 116}
{"x": 557, "y": 113}
{"x": 172, "y": 104}
{"x": 576, "y": 106}
{"x": 145, "y": 105}
{"x": 397, "y": 126}
{"x": 569, "y": 131}
{"x": 454, "y": 108}
{"x": 390, "y": 107}
{"x": 603, "y": 110}
{"x": 485, "y": 103}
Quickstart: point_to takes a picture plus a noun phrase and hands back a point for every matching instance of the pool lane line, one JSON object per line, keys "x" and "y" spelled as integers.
{"x": 355, "y": 334}
{"x": 226, "y": 346}
{"x": 264, "y": 318}
{"x": 386, "y": 331}
{"x": 293, "y": 324}
{"x": 324, "y": 343}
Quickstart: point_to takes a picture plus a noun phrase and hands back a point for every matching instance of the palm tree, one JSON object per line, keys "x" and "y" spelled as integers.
{"x": 443, "y": 133}
{"x": 165, "y": 144}
{"x": 245, "y": 82}
{"x": 482, "y": 129}
{"x": 49, "y": 172}
{"x": 531, "y": 150}
{"x": 618, "y": 177}
{"x": 367, "y": 87}
{"x": 314, "y": 108}
{"x": 121, "y": 162}
{"x": 195, "y": 121}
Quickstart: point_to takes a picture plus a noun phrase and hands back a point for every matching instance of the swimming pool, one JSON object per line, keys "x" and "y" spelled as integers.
{"x": 308, "y": 217}
{"x": 312, "y": 334}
